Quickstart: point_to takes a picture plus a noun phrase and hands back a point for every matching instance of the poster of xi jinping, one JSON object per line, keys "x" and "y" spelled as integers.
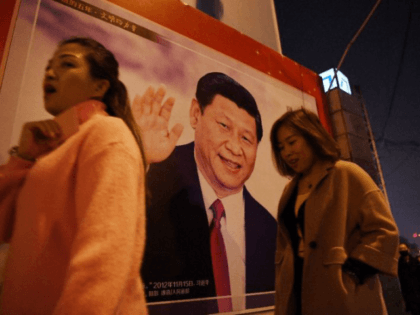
{"x": 205, "y": 120}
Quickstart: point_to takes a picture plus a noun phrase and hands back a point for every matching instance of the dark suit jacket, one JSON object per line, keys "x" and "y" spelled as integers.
{"x": 178, "y": 237}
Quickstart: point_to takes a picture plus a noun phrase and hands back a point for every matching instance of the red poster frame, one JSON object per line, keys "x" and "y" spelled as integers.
{"x": 8, "y": 15}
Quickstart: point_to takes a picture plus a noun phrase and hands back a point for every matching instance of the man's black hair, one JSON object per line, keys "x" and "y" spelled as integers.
{"x": 215, "y": 83}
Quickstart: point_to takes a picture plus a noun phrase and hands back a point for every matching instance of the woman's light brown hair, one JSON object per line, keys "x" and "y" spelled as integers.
{"x": 307, "y": 124}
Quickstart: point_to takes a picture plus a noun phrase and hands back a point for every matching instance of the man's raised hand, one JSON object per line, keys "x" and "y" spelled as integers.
{"x": 152, "y": 119}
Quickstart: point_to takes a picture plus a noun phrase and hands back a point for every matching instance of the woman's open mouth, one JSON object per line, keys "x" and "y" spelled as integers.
{"x": 49, "y": 89}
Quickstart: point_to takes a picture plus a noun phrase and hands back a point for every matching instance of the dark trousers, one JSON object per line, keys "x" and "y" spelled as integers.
{"x": 297, "y": 286}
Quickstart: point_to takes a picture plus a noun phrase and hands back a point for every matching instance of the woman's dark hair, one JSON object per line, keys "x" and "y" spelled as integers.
{"x": 103, "y": 65}
{"x": 307, "y": 124}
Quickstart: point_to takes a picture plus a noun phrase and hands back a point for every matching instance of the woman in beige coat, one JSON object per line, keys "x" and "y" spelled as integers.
{"x": 336, "y": 231}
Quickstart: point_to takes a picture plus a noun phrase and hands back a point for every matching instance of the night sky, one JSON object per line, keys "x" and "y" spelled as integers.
{"x": 384, "y": 62}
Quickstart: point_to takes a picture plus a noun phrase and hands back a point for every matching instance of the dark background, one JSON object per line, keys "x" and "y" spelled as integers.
{"x": 384, "y": 62}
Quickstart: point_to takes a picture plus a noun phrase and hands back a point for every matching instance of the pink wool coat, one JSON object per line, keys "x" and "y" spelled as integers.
{"x": 346, "y": 215}
{"x": 75, "y": 220}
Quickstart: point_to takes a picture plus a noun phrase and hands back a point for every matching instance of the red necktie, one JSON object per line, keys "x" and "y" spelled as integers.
{"x": 219, "y": 258}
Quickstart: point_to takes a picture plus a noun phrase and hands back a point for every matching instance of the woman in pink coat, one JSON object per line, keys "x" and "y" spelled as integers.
{"x": 335, "y": 229}
{"x": 72, "y": 195}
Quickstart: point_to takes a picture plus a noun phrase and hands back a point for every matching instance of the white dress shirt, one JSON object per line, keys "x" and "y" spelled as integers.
{"x": 233, "y": 232}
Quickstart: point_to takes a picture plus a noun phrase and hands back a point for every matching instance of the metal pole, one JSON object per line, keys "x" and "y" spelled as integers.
{"x": 372, "y": 141}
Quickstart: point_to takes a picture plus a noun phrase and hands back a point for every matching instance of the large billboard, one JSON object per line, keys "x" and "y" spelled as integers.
{"x": 178, "y": 268}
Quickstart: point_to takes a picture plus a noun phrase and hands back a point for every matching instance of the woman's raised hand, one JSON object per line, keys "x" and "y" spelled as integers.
{"x": 152, "y": 118}
{"x": 38, "y": 137}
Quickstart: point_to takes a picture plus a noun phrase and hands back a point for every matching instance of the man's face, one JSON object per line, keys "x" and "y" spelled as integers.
{"x": 225, "y": 144}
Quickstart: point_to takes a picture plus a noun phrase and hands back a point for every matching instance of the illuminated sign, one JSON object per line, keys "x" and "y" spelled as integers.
{"x": 327, "y": 77}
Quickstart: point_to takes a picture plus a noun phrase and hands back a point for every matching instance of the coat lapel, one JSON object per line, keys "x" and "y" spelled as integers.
{"x": 314, "y": 209}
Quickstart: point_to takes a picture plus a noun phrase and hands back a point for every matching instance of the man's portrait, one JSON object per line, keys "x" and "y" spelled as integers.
{"x": 201, "y": 187}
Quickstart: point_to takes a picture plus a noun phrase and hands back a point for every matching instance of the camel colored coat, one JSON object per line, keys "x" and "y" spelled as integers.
{"x": 346, "y": 215}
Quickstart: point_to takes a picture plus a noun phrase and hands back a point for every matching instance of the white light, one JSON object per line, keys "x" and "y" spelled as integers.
{"x": 327, "y": 77}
